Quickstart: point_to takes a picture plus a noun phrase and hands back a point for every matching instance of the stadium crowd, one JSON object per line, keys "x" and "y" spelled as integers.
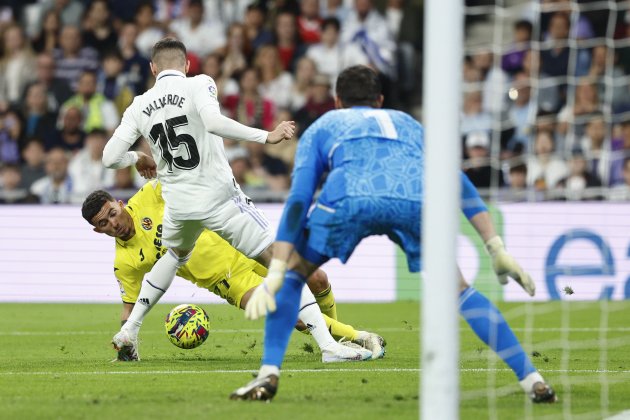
{"x": 548, "y": 118}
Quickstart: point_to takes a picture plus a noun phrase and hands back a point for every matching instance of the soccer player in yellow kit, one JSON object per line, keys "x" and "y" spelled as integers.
{"x": 213, "y": 265}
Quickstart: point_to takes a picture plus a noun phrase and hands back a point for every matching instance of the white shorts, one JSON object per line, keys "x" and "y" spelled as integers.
{"x": 237, "y": 221}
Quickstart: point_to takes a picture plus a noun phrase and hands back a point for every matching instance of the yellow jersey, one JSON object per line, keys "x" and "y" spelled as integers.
{"x": 213, "y": 265}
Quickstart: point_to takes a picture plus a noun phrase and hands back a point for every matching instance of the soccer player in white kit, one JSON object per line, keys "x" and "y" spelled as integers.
{"x": 182, "y": 122}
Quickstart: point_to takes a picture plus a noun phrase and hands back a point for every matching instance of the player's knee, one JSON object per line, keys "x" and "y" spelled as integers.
{"x": 318, "y": 281}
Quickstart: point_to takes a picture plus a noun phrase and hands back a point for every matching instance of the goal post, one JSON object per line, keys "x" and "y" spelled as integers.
{"x": 440, "y": 220}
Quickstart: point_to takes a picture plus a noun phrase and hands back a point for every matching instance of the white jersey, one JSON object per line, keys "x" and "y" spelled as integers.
{"x": 191, "y": 162}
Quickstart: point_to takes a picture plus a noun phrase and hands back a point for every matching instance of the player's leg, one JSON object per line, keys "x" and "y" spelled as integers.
{"x": 322, "y": 290}
{"x": 180, "y": 238}
{"x": 278, "y": 328}
{"x": 487, "y": 322}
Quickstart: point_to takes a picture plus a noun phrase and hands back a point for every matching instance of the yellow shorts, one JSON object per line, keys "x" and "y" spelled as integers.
{"x": 234, "y": 288}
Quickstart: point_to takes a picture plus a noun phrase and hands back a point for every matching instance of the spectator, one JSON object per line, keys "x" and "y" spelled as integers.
{"x": 548, "y": 90}
{"x": 309, "y": 22}
{"x": 148, "y": 31}
{"x": 57, "y": 90}
{"x": 249, "y": 107}
{"x": 72, "y": 58}
{"x": 286, "y": 149}
{"x": 494, "y": 82}
{"x": 544, "y": 169}
{"x": 213, "y": 67}
{"x": 287, "y": 40}
{"x": 555, "y": 58}
{"x": 236, "y": 51}
{"x": 202, "y": 36}
{"x": 598, "y": 72}
{"x": 254, "y": 22}
{"x": 114, "y": 83}
{"x": 32, "y": 169}
{"x": 98, "y": 112}
{"x": 367, "y": 27}
{"x": 276, "y": 84}
{"x": 473, "y": 117}
{"x": 239, "y": 162}
{"x": 517, "y": 187}
{"x": 124, "y": 181}
{"x": 48, "y": 38}
{"x": 571, "y": 118}
{"x": 70, "y": 136}
{"x": 318, "y": 103}
{"x": 11, "y": 191}
{"x": 304, "y": 73}
{"x": 98, "y": 30}
{"x": 70, "y": 11}
{"x": 621, "y": 192}
{"x": 230, "y": 11}
{"x": 620, "y": 151}
{"x": 334, "y": 9}
{"x": 136, "y": 67}
{"x": 595, "y": 144}
{"x": 39, "y": 121}
{"x": 512, "y": 61}
{"x": 478, "y": 165}
{"x": 272, "y": 173}
{"x": 16, "y": 63}
{"x": 522, "y": 111}
{"x": 579, "y": 179}
{"x": 86, "y": 168}
{"x": 330, "y": 56}
{"x": 57, "y": 186}
{"x": 10, "y": 137}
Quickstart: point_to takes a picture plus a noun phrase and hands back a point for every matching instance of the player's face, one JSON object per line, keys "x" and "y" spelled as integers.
{"x": 113, "y": 221}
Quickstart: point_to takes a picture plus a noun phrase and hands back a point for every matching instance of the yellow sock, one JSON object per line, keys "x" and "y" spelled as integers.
{"x": 339, "y": 329}
{"x": 326, "y": 302}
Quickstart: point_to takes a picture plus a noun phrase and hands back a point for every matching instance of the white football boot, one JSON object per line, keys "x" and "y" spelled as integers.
{"x": 372, "y": 342}
{"x": 345, "y": 351}
{"x": 127, "y": 346}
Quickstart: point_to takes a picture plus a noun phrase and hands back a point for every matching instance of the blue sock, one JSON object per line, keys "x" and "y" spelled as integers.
{"x": 279, "y": 325}
{"x": 487, "y": 322}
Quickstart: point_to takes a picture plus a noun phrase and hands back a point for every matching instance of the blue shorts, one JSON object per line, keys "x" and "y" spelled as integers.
{"x": 334, "y": 232}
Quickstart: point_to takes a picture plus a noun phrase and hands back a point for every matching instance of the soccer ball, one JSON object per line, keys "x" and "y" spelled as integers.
{"x": 187, "y": 326}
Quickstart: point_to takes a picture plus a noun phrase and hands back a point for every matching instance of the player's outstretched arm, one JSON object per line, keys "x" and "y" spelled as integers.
{"x": 503, "y": 264}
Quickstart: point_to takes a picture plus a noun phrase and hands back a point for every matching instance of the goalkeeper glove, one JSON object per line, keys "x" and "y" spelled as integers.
{"x": 263, "y": 299}
{"x": 505, "y": 265}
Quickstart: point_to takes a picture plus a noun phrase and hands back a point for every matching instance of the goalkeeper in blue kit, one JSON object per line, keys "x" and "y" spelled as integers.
{"x": 375, "y": 162}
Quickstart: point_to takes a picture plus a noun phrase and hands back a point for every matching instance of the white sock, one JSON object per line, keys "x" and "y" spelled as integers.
{"x": 528, "y": 382}
{"x": 158, "y": 281}
{"x": 311, "y": 316}
{"x": 266, "y": 370}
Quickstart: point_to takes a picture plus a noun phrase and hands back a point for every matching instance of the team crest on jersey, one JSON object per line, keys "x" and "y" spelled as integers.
{"x": 213, "y": 91}
{"x": 147, "y": 223}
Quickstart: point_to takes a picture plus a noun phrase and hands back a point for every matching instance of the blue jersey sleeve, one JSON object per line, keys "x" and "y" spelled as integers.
{"x": 310, "y": 164}
{"x": 472, "y": 203}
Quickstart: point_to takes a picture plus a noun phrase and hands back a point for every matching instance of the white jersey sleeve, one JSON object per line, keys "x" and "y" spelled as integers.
{"x": 206, "y": 103}
{"x": 115, "y": 154}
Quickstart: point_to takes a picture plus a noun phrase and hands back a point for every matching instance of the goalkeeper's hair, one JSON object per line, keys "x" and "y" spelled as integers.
{"x": 93, "y": 203}
{"x": 358, "y": 85}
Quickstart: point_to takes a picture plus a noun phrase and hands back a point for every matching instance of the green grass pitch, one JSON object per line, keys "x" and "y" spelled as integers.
{"x": 56, "y": 364}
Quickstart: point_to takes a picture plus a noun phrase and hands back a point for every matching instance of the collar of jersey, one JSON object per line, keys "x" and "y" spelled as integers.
{"x": 167, "y": 73}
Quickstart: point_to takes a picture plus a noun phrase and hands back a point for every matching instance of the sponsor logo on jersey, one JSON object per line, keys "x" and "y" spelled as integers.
{"x": 147, "y": 223}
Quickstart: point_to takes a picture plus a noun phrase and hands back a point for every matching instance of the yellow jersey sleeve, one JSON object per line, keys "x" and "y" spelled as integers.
{"x": 129, "y": 277}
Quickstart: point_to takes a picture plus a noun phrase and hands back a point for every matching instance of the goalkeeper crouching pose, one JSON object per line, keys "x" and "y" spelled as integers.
{"x": 213, "y": 265}
{"x": 375, "y": 163}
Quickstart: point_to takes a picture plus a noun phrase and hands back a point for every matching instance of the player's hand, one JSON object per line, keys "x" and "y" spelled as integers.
{"x": 284, "y": 131}
{"x": 504, "y": 266}
{"x": 263, "y": 299}
{"x": 146, "y": 166}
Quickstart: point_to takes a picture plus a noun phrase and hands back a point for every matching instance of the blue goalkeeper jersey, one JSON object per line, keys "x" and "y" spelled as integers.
{"x": 366, "y": 152}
